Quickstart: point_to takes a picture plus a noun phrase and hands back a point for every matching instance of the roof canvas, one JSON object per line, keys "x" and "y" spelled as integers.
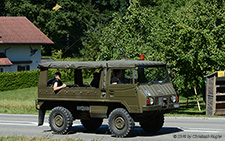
{"x": 98, "y": 64}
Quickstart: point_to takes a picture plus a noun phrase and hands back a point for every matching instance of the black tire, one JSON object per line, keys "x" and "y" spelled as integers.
{"x": 93, "y": 124}
{"x": 60, "y": 120}
{"x": 153, "y": 124}
{"x": 121, "y": 124}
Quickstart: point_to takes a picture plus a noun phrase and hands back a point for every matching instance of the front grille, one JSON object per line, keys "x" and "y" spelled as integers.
{"x": 163, "y": 101}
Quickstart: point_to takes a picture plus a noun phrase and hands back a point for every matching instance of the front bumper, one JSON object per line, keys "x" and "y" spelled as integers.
{"x": 171, "y": 106}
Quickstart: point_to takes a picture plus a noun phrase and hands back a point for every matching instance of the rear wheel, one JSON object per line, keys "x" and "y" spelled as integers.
{"x": 153, "y": 124}
{"x": 92, "y": 124}
{"x": 121, "y": 124}
{"x": 60, "y": 120}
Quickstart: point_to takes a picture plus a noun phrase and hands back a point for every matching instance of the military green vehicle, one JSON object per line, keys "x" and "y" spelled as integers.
{"x": 143, "y": 93}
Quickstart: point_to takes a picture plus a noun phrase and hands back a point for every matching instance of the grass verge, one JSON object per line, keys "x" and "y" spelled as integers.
{"x": 24, "y": 138}
{"x": 20, "y": 101}
{"x": 191, "y": 109}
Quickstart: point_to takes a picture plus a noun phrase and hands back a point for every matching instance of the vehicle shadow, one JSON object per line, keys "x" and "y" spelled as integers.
{"x": 138, "y": 131}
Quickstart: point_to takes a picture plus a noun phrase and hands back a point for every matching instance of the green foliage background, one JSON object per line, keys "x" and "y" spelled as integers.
{"x": 27, "y": 79}
{"x": 187, "y": 34}
{"x": 18, "y": 80}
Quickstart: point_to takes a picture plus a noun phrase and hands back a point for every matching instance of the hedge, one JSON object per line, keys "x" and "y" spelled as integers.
{"x": 18, "y": 80}
{"x": 26, "y": 79}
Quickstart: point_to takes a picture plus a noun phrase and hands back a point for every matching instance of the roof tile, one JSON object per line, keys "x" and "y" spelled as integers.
{"x": 4, "y": 61}
{"x": 19, "y": 30}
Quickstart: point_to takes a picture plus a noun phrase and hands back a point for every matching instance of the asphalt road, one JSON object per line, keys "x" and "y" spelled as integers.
{"x": 175, "y": 128}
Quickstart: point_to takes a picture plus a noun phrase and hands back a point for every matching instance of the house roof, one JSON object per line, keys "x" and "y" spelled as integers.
{"x": 4, "y": 61}
{"x": 19, "y": 30}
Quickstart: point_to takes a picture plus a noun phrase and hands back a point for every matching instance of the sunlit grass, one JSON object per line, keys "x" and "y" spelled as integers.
{"x": 24, "y": 138}
{"x": 21, "y": 101}
{"x": 192, "y": 108}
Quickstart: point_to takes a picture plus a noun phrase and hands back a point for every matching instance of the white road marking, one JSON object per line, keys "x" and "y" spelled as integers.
{"x": 26, "y": 123}
{"x": 202, "y": 130}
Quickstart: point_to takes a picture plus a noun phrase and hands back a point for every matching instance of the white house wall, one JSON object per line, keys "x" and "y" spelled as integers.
{"x": 22, "y": 53}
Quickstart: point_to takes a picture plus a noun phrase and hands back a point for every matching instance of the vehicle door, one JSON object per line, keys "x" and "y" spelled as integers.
{"x": 121, "y": 88}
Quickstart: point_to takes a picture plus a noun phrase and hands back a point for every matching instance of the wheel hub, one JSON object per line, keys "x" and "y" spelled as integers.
{"x": 119, "y": 123}
{"x": 58, "y": 120}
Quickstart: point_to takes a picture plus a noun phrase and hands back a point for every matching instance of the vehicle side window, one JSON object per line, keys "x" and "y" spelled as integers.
{"x": 95, "y": 80}
{"x": 88, "y": 77}
{"x": 121, "y": 76}
{"x": 76, "y": 77}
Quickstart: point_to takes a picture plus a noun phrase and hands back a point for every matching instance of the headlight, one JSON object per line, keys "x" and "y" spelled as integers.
{"x": 173, "y": 99}
{"x": 150, "y": 101}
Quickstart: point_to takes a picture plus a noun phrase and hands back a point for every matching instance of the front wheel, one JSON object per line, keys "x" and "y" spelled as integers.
{"x": 152, "y": 125}
{"x": 60, "y": 120}
{"x": 121, "y": 124}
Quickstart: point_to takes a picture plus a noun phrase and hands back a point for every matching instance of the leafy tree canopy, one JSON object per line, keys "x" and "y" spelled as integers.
{"x": 187, "y": 34}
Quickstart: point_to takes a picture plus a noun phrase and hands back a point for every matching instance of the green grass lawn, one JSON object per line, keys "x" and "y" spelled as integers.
{"x": 24, "y": 138}
{"x": 20, "y": 101}
{"x": 191, "y": 109}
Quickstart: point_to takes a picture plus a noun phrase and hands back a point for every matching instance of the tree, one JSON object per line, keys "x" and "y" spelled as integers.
{"x": 64, "y": 26}
{"x": 188, "y": 35}
{"x": 108, "y": 7}
{"x": 2, "y": 8}
{"x": 192, "y": 45}
{"x": 128, "y": 33}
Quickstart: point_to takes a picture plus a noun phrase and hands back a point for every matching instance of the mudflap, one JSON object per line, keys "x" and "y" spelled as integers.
{"x": 41, "y": 116}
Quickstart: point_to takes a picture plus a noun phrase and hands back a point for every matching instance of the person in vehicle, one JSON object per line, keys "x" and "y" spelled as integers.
{"x": 117, "y": 77}
{"x": 95, "y": 81}
{"x": 57, "y": 83}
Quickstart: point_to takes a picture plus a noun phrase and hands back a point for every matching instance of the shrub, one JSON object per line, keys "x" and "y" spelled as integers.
{"x": 18, "y": 80}
{"x": 26, "y": 79}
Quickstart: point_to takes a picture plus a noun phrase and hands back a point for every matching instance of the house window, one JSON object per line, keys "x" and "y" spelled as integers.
{"x": 23, "y": 68}
{"x": 1, "y": 69}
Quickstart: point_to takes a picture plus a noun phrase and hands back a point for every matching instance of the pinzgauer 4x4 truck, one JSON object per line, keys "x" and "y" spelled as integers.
{"x": 126, "y": 92}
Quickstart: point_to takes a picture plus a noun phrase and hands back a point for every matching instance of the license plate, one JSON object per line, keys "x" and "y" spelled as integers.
{"x": 177, "y": 105}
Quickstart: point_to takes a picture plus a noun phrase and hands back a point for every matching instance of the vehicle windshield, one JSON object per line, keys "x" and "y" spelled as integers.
{"x": 151, "y": 75}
